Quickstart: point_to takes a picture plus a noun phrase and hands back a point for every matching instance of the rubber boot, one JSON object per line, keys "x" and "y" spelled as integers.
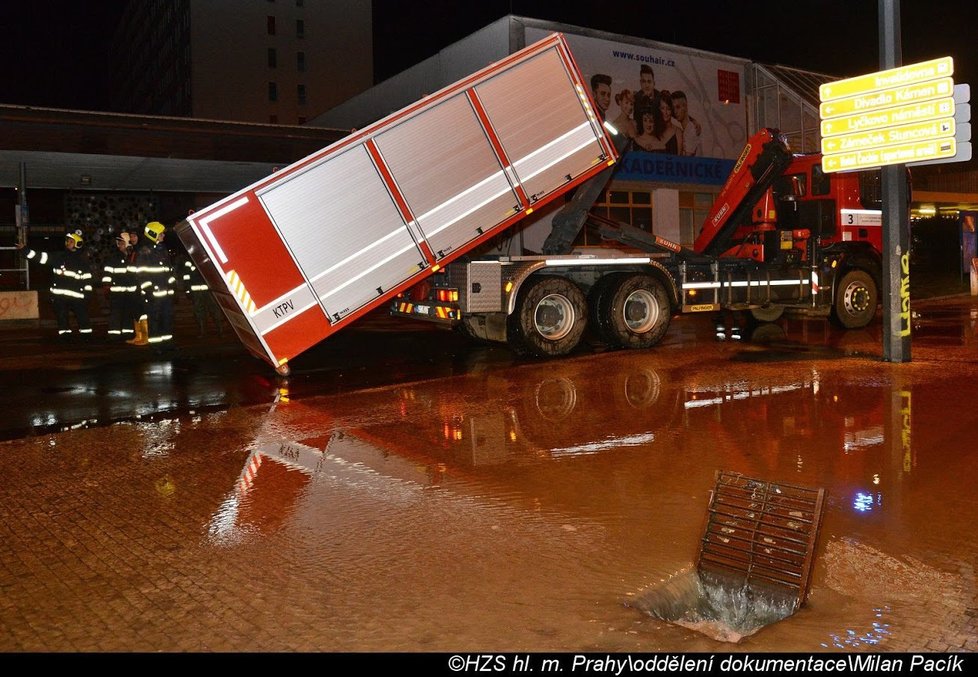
{"x": 135, "y": 329}
{"x": 142, "y": 333}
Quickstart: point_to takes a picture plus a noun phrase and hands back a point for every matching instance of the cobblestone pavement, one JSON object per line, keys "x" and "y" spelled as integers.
{"x": 512, "y": 507}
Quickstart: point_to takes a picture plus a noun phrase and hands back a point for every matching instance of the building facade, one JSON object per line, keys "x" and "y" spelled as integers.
{"x": 242, "y": 60}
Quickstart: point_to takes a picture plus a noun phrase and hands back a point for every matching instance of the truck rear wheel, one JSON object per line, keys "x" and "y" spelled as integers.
{"x": 635, "y": 312}
{"x": 549, "y": 319}
{"x": 856, "y": 298}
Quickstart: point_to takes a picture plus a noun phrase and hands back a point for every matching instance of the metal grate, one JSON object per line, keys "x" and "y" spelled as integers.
{"x": 761, "y": 535}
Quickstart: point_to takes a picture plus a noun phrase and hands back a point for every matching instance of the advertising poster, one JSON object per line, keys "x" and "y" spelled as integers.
{"x": 684, "y": 111}
{"x": 969, "y": 247}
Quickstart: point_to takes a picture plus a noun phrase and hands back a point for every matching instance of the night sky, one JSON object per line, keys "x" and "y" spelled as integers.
{"x": 55, "y": 52}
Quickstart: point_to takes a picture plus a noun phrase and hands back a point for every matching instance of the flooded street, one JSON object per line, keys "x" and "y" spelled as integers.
{"x": 512, "y": 507}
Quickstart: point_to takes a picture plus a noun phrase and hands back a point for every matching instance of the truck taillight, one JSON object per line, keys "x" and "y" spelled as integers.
{"x": 447, "y": 295}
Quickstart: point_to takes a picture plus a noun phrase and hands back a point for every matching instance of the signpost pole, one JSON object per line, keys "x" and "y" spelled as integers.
{"x": 896, "y": 214}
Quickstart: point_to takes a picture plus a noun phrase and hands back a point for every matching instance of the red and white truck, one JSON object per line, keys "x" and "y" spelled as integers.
{"x": 395, "y": 213}
{"x": 298, "y": 256}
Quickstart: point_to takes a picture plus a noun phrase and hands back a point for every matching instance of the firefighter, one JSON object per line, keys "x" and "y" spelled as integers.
{"x": 71, "y": 284}
{"x": 204, "y": 304}
{"x": 155, "y": 269}
{"x": 123, "y": 290}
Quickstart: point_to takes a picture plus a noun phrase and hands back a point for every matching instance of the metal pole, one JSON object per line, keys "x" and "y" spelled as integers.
{"x": 23, "y": 219}
{"x": 896, "y": 214}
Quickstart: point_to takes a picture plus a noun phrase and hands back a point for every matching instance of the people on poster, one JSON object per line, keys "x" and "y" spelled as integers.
{"x": 646, "y": 96}
{"x": 625, "y": 122}
{"x": 658, "y": 121}
{"x": 647, "y": 139}
{"x": 601, "y": 89}
{"x": 665, "y": 129}
{"x": 692, "y": 129}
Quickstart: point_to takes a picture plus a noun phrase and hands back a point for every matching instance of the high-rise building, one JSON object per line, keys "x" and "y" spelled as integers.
{"x": 269, "y": 61}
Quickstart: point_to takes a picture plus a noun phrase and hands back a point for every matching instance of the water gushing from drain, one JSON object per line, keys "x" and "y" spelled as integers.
{"x": 720, "y": 610}
{"x": 754, "y": 563}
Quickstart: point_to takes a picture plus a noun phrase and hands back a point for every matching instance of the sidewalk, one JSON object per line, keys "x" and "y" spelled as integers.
{"x": 33, "y": 344}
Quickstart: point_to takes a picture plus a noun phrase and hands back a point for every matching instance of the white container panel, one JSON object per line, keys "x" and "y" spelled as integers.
{"x": 448, "y": 173}
{"x": 340, "y": 221}
{"x": 353, "y": 286}
{"x": 542, "y": 122}
{"x": 555, "y": 163}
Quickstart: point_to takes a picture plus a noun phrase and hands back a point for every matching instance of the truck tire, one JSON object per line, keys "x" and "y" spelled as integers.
{"x": 595, "y": 302}
{"x": 549, "y": 319}
{"x": 770, "y": 313}
{"x": 636, "y": 312}
{"x": 856, "y": 298}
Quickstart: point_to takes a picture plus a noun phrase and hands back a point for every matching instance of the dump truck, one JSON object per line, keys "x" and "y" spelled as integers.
{"x": 396, "y": 214}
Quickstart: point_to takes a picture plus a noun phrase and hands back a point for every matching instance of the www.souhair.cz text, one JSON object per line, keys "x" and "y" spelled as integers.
{"x": 747, "y": 663}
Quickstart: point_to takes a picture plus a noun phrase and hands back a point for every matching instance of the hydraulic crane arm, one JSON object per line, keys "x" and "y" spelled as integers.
{"x": 762, "y": 161}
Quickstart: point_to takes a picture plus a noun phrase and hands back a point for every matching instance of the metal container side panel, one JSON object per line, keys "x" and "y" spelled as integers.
{"x": 448, "y": 173}
{"x": 255, "y": 270}
{"x": 544, "y": 123}
{"x": 344, "y": 230}
{"x": 218, "y": 288}
{"x": 301, "y": 332}
{"x": 243, "y": 240}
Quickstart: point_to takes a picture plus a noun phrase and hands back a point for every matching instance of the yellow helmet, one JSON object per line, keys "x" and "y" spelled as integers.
{"x": 75, "y": 237}
{"x": 153, "y": 231}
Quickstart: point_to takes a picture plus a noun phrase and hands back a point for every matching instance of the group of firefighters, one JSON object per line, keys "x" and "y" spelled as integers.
{"x": 140, "y": 281}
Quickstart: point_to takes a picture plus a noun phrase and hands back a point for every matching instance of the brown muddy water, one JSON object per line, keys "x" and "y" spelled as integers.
{"x": 516, "y": 509}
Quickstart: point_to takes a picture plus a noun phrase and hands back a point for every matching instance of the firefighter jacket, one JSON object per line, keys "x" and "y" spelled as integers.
{"x": 193, "y": 281}
{"x": 71, "y": 272}
{"x": 116, "y": 274}
{"x": 154, "y": 270}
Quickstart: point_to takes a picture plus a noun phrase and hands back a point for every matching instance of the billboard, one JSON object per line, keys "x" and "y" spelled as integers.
{"x": 684, "y": 110}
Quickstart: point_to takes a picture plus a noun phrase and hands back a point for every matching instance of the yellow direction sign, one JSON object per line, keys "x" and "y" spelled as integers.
{"x": 920, "y": 151}
{"x": 894, "y": 77}
{"x": 918, "y": 131}
{"x": 887, "y": 98}
{"x": 889, "y": 117}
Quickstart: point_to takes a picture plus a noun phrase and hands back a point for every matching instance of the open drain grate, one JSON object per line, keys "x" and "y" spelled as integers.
{"x": 761, "y": 536}
{"x": 754, "y": 564}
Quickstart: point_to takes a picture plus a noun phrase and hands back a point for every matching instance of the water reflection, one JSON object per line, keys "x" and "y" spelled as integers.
{"x": 802, "y": 422}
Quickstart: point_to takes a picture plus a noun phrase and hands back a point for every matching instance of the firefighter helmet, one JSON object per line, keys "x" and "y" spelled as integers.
{"x": 153, "y": 230}
{"x": 75, "y": 237}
